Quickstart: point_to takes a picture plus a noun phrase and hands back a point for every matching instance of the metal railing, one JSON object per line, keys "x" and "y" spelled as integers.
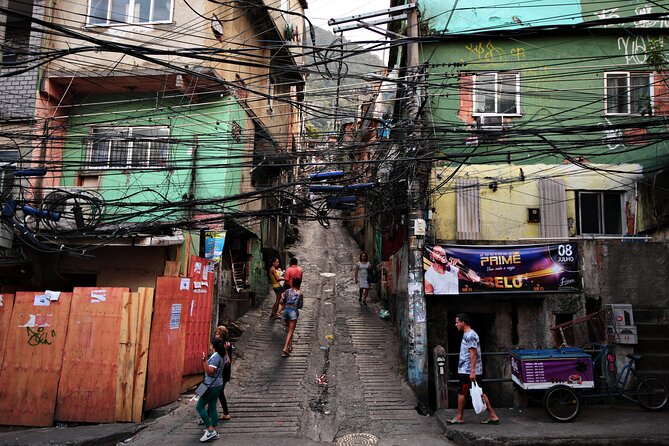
{"x": 485, "y": 380}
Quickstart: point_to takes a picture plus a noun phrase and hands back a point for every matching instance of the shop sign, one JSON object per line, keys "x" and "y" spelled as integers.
{"x": 462, "y": 269}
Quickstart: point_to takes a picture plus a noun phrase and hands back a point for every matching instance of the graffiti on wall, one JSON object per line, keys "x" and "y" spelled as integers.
{"x": 489, "y": 53}
{"x": 634, "y": 48}
{"x": 36, "y": 329}
{"x": 615, "y": 13}
{"x": 613, "y": 138}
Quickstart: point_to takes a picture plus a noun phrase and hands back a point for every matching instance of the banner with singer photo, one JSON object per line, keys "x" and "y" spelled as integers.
{"x": 460, "y": 269}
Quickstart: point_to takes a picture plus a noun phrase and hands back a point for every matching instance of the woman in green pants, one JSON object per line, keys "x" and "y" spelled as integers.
{"x": 206, "y": 405}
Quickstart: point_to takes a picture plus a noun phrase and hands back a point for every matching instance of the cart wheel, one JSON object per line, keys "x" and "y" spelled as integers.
{"x": 562, "y": 403}
{"x": 652, "y": 394}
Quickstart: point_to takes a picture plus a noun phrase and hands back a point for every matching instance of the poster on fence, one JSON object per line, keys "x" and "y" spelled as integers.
{"x": 469, "y": 269}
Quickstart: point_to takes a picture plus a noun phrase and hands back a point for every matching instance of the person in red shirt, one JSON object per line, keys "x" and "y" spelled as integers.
{"x": 292, "y": 272}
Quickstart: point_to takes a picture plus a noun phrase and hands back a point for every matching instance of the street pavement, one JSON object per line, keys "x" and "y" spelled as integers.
{"x": 598, "y": 424}
{"x": 343, "y": 384}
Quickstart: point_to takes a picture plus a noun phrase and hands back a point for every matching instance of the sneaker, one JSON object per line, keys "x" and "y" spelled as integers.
{"x": 209, "y": 435}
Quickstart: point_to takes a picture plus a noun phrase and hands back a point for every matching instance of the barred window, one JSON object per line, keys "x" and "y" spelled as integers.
{"x": 129, "y": 147}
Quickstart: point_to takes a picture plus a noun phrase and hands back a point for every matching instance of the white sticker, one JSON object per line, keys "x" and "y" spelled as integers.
{"x": 175, "y": 316}
{"x": 38, "y": 320}
{"x": 185, "y": 283}
{"x": 52, "y": 295}
{"x": 42, "y": 301}
{"x": 192, "y": 307}
{"x": 197, "y": 285}
{"x": 0, "y": 300}
{"x": 98, "y": 296}
{"x": 197, "y": 269}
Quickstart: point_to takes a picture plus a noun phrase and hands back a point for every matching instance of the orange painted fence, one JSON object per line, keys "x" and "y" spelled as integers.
{"x": 6, "y": 304}
{"x": 32, "y": 360}
{"x": 101, "y": 354}
{"x": 198, "y": 325}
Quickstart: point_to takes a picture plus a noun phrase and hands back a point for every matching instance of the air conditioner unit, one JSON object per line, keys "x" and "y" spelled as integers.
{"x": 78, "y": 209}
{"x": 490, "y": 122}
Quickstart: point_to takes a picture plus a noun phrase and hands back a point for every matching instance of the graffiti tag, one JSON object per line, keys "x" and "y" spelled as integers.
{"x": 39, "y": 336}
{"x": 613, "y": 138}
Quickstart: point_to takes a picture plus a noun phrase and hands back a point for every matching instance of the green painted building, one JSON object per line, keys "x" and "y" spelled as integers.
{"x": 543, "y": 121}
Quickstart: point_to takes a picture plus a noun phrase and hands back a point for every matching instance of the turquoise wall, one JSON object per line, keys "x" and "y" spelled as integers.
{"x": 475, "y": 16}
{"x": 143, "y": 194}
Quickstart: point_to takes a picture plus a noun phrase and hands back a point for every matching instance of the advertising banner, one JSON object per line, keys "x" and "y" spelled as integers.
{"x": 468, "y": 269}
{"x": 542, "y": 373}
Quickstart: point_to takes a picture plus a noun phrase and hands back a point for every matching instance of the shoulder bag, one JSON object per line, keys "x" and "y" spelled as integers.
{"x": 202, "y": 388}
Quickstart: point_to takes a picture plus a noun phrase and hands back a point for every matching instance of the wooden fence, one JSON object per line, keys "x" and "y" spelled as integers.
{"x": 98, "y": 354}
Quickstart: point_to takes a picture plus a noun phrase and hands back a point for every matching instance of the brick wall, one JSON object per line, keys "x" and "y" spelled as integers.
{"x": 19, "y": 91}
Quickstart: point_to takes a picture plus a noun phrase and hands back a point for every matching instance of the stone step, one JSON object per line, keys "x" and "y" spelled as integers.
{"x": 652, "y": 330}
{"x": 651, "y": 345}
{"x": 651, "y": 315}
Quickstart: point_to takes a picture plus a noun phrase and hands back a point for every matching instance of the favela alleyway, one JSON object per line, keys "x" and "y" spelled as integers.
{"x": 342, "y": 384}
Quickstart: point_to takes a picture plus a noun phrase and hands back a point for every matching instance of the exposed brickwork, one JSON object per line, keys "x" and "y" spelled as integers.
{"x": 19, "y": 91}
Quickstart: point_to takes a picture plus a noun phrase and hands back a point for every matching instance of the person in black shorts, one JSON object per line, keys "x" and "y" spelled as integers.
{"x": 470, "y": 369}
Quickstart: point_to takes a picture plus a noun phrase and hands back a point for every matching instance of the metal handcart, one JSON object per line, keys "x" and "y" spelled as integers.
{"x": 568, "y": 375}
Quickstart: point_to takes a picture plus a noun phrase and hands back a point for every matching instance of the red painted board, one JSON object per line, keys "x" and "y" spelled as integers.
{"x": 198, "y": 316}
{"x": 6, "y": 304}
{"x": 88, "y": 381}
{"x": 33, "y": 359}
{"x": 167, "y": 342}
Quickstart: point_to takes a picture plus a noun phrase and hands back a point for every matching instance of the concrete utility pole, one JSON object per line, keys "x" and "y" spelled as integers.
{"x": 417, "y": 182}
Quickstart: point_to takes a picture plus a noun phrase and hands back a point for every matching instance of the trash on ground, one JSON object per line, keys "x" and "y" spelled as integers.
{"x": 322, "y": 380}
{"x": 384, "y": 314}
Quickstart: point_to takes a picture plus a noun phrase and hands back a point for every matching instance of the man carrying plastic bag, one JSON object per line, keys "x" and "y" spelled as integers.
{"x": 469, "y": 370}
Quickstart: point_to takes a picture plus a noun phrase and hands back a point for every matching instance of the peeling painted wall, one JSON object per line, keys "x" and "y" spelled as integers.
{"x": 503, "y": 212}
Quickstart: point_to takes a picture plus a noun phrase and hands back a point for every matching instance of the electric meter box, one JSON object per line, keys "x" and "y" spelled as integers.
{"x": 621, "y": 328}
{"x": 621, "y": 315}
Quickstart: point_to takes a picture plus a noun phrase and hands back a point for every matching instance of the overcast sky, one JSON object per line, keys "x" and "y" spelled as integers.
{"x": 320, "y": 11}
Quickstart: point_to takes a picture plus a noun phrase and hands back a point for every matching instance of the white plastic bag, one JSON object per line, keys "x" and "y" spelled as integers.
{"x": 477, "y": 400}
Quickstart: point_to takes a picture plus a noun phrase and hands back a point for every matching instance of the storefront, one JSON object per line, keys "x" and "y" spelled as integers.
{"x": 513, "y": 293}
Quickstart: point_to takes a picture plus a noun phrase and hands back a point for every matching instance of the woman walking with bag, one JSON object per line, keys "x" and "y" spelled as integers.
{"x": 362, "y": 268}
{"x": 213, "y": 379}
{"x": 293, "y": 300}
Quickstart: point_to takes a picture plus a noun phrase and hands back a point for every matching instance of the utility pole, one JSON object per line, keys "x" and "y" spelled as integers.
{"x": 417, "y": 185}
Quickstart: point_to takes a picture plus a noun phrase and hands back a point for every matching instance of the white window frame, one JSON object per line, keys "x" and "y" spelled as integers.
{"x": 150, "y": 161}
{"x": 497, "y": 94}
{"x": 130, "y": 18}
{"x": 628, "y": 75}
{"x": 601, "y": 210}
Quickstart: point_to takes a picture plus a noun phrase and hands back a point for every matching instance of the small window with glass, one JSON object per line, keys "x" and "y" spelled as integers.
{"x": 629, "y": 93}
{"x": 129, "y": 147}
{"x": 116, "y": 12}
{"x": 600, "y": 212}
{"x": 496, "y": 94}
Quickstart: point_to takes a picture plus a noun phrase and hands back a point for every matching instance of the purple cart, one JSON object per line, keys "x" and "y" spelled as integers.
{"x": 543, "y": 369}
{"x": 557, "y": 371}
